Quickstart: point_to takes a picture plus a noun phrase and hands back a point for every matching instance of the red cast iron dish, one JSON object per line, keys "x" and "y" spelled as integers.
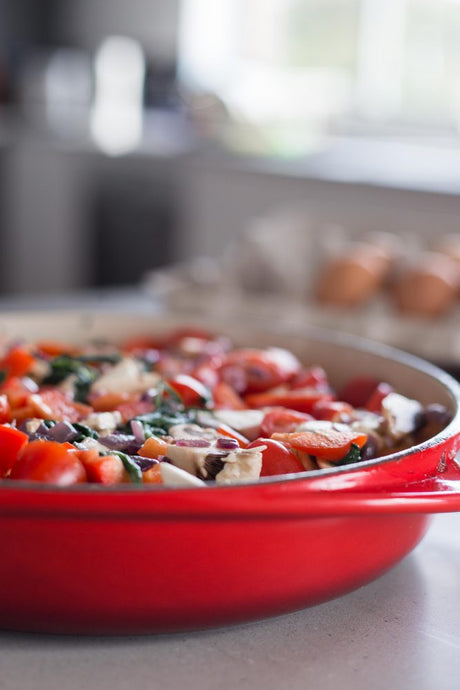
{"x": 131, "y": 559}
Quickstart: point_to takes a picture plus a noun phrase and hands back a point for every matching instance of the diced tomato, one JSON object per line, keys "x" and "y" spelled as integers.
{"x": 313, "y": 377}
{"x": 302, "y": 400}
{"x": 5, "y": 409}
{"x": 11, "y": 442}
{"x": 18, "y": 390}
{"x": 153, "y": 447}
{"x": 17, "y": 362}
{"x": 225, "y": 398}
{"x": 276, "y": 458}
{"x": 55, "y": 404}
{"x": 253, "y": 371}
{"x": 358, "y": 390}
{"x": 48, "y": 461}
{"x": 328, "y": 442}
{"x": 129, "y": 410}
{"x": 280, "y": 419}
{"x": 374, "y": 404}
{"x": 192, "y": 392}
{"x": 106, "y": 402}
{"x": 103, "y": 469}
{"x": 332, "y": 410}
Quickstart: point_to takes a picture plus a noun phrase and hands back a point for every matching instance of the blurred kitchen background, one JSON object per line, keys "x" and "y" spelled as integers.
{"x": 139, "y": 135}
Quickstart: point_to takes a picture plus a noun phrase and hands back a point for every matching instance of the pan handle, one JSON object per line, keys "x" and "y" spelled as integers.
{"x": 434, "y": 495}
{"x": 438, "y": 494}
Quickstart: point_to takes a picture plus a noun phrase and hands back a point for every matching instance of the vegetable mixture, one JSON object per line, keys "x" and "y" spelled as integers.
{"x": 189, "y": 409}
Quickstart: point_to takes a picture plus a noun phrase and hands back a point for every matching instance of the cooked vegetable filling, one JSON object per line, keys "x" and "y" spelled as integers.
{"x": 188, "y": 409}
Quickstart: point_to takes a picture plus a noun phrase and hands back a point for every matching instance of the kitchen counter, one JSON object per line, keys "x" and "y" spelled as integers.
{"x": 400, "y": 631}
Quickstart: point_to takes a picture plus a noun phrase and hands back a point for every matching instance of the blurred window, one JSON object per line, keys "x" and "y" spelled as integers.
{"x": 366, "y": 65}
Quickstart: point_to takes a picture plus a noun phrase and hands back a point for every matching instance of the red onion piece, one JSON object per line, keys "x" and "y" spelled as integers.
{"x": 122, "y": 442}
{"x": 193, "y": 443}
{"x": 138, "y": 430}
{"x": 62, "y": 432}
{"x": 227, "y": 443}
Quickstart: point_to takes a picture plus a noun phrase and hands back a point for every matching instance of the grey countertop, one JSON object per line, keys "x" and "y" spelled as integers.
{"x": 400, "y": 631}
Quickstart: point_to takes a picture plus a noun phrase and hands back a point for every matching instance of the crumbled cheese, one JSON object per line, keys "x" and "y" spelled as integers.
{"x": 31, "y": 425}
{"x": 401, "y": 414}
{"x": 92, "y": 444}
{"x": 127, "y": 375}
{"x": 103, "y": 421}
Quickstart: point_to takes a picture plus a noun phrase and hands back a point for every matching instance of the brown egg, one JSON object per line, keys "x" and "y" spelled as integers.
{"x": 353, "y": 277}
{"x": 450, "y": 246}
{"x": 429, "y": 287}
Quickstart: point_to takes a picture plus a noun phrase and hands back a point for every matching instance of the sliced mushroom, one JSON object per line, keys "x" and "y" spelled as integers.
{"x": 174, "y": 476}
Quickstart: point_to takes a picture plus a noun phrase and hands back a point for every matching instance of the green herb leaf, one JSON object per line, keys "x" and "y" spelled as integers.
{"x": 353, "y": 455}
{"x": 64, "y": 366}
{"x": 132, "y": 468}
{"x": 3, "y": 375}
{"x": 85, "y": 432}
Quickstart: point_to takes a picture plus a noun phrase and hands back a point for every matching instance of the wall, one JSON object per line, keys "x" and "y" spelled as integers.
{"x": 152, "y": 22}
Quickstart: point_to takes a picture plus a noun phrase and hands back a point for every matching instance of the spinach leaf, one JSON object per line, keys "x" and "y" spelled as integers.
{"x": 64, "y": 366}
{"x": 166, "y": 414}
{"x": 353, "y": 455}
{"x": 132, "y": 468}
{"x": 84, "y": 432}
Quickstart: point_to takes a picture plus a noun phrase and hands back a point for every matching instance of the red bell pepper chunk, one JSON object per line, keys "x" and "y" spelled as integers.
{"x": 54, "y": 404}
{"x": 48, "y": 461}
{"x": 17, "y": 362}
{"x": 103, "y": 469}
{"x": 11, "y": 442}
